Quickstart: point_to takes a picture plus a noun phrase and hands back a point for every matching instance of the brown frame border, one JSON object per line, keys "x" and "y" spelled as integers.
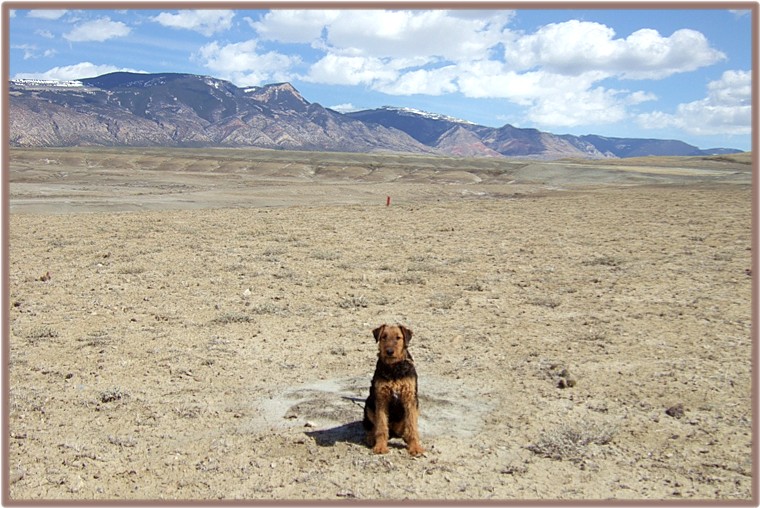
{"x": 752, "y": 6}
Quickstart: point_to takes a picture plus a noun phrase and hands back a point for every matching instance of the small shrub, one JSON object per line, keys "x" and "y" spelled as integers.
{"x": 268, "y": 308}
{"x": 442, "y": 301}
{"x": 232, "y": 317}
{"x": 287, "y": 238}
{"x": 423, "y": 267}
{"x": 407, "y": 279}
{"x": 604, "y": 261}
{"x": 187, "y": 411}
{"x": 572, "y": 442}
{"x": 132, "y": 270}
{"x": 550, "y": 303}
{"x": 273, "y": 251}
{"x": 353, "y": 302}
{"x": 594, "y": 336}
{"x": 338, "y": 351}
{"x": 112, "y": 395}
{"x": 124, "y": 442}
{"x": 98, "y": 338}
{"x": 458, "y": 260}
{"x": 41, "y": 332}
{"x": 476, "y": 286}
{"x": 326, "y": 255}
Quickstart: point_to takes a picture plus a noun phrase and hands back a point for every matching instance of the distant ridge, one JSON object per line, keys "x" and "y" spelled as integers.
{"x": 170, "y": 109}
{"x": 176, "y": 109}
{"x": 435, "y": 131}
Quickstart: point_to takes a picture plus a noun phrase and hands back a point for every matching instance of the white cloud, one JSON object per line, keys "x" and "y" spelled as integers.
{"x": 491, "y": 79}
{"x": 551, "y": 99}
{"x": 97, "y": 30}
{"x": 205, "y": 22}
{"x": 392, "y": 50}
{"x": 77, "y": 71}
{"x": 422, "y": 81}
{"x": 293, "y": 26}
{"x": 734, "y": 88}
{"x": 727, "y": 109}
{"x": 46, "y": 13}
{"x": 242, "y": 64}
{"x": 574, "y": 47}
{"x": 596, "y": 105}
{"x": 32, "y": 52}
{"x": 427, "y": 34}
{"x": 389, "y": 51}
{"x": 351, "y": 70}
{"x": 639, "y": 97}
{"x": 571, "y": 47}
{"x": 647, "y": 55}
{"x": 555, "y": 72}
{"x": 740, "y": 12}
{"x": 344, "y": 108}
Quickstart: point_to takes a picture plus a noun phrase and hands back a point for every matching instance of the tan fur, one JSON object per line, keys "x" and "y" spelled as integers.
{"x": 392, "y": 349}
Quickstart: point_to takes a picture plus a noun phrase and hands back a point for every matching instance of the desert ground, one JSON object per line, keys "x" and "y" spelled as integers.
{"x": 190, "y": 324}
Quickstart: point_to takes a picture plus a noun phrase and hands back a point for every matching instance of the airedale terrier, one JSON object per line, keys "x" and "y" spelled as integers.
{"x": 392, "y": 407}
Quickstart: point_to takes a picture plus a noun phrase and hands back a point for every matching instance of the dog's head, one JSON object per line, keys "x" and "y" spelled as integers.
{"x": 392, "y": 341}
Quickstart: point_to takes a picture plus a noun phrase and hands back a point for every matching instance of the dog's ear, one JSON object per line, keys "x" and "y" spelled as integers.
{"x": 376, "y": 332}
{"x": 407, "y": 334}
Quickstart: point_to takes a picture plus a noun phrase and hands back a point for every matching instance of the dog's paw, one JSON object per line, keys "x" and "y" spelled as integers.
{"x": 415, "y": 449}
{"x": 380, "y": 448}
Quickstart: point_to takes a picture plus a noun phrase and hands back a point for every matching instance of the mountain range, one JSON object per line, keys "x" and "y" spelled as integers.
{"x": 168, "y": 109}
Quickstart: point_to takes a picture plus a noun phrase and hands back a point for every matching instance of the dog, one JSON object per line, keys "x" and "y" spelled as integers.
{"x": 392, "y": 408}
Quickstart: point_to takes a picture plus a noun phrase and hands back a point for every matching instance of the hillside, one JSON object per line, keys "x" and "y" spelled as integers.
{"x": 436, "y": 131}
{"x": 124, "y": 109}
{"x": 186, "y": 110}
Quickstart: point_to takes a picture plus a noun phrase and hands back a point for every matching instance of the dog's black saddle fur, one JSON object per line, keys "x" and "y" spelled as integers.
{"x": 385, "y": 372}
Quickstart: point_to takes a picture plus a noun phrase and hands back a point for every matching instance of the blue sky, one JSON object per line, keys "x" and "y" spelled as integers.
{"x": 674, "y": 74}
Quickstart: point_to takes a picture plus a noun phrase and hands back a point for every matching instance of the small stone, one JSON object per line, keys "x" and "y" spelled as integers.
{"x": 675, "y": 411}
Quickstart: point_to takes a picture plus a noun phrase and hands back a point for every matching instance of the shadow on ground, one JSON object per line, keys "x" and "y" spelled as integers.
{"x": 347, "y": 433}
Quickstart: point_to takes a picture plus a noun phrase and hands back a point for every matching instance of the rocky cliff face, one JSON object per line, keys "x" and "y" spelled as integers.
{"x": 187, "y": 110}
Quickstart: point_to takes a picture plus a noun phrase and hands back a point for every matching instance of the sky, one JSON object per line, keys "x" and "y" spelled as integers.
{"x": 671, "y": 74}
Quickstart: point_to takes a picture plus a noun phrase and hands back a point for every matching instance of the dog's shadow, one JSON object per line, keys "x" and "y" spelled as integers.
{"x": 347, "y": 433}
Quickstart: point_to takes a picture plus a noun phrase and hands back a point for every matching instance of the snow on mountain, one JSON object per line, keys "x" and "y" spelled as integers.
{"x": 55, "y": 83}
{"x": 426, "y": 114}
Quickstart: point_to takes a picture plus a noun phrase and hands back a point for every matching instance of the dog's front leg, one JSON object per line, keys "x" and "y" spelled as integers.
{"x": 381, "y": 425}
{"x": 411, "y": 432}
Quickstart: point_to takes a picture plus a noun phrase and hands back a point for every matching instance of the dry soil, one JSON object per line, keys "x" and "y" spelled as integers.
{"x": 185, "y": 334}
